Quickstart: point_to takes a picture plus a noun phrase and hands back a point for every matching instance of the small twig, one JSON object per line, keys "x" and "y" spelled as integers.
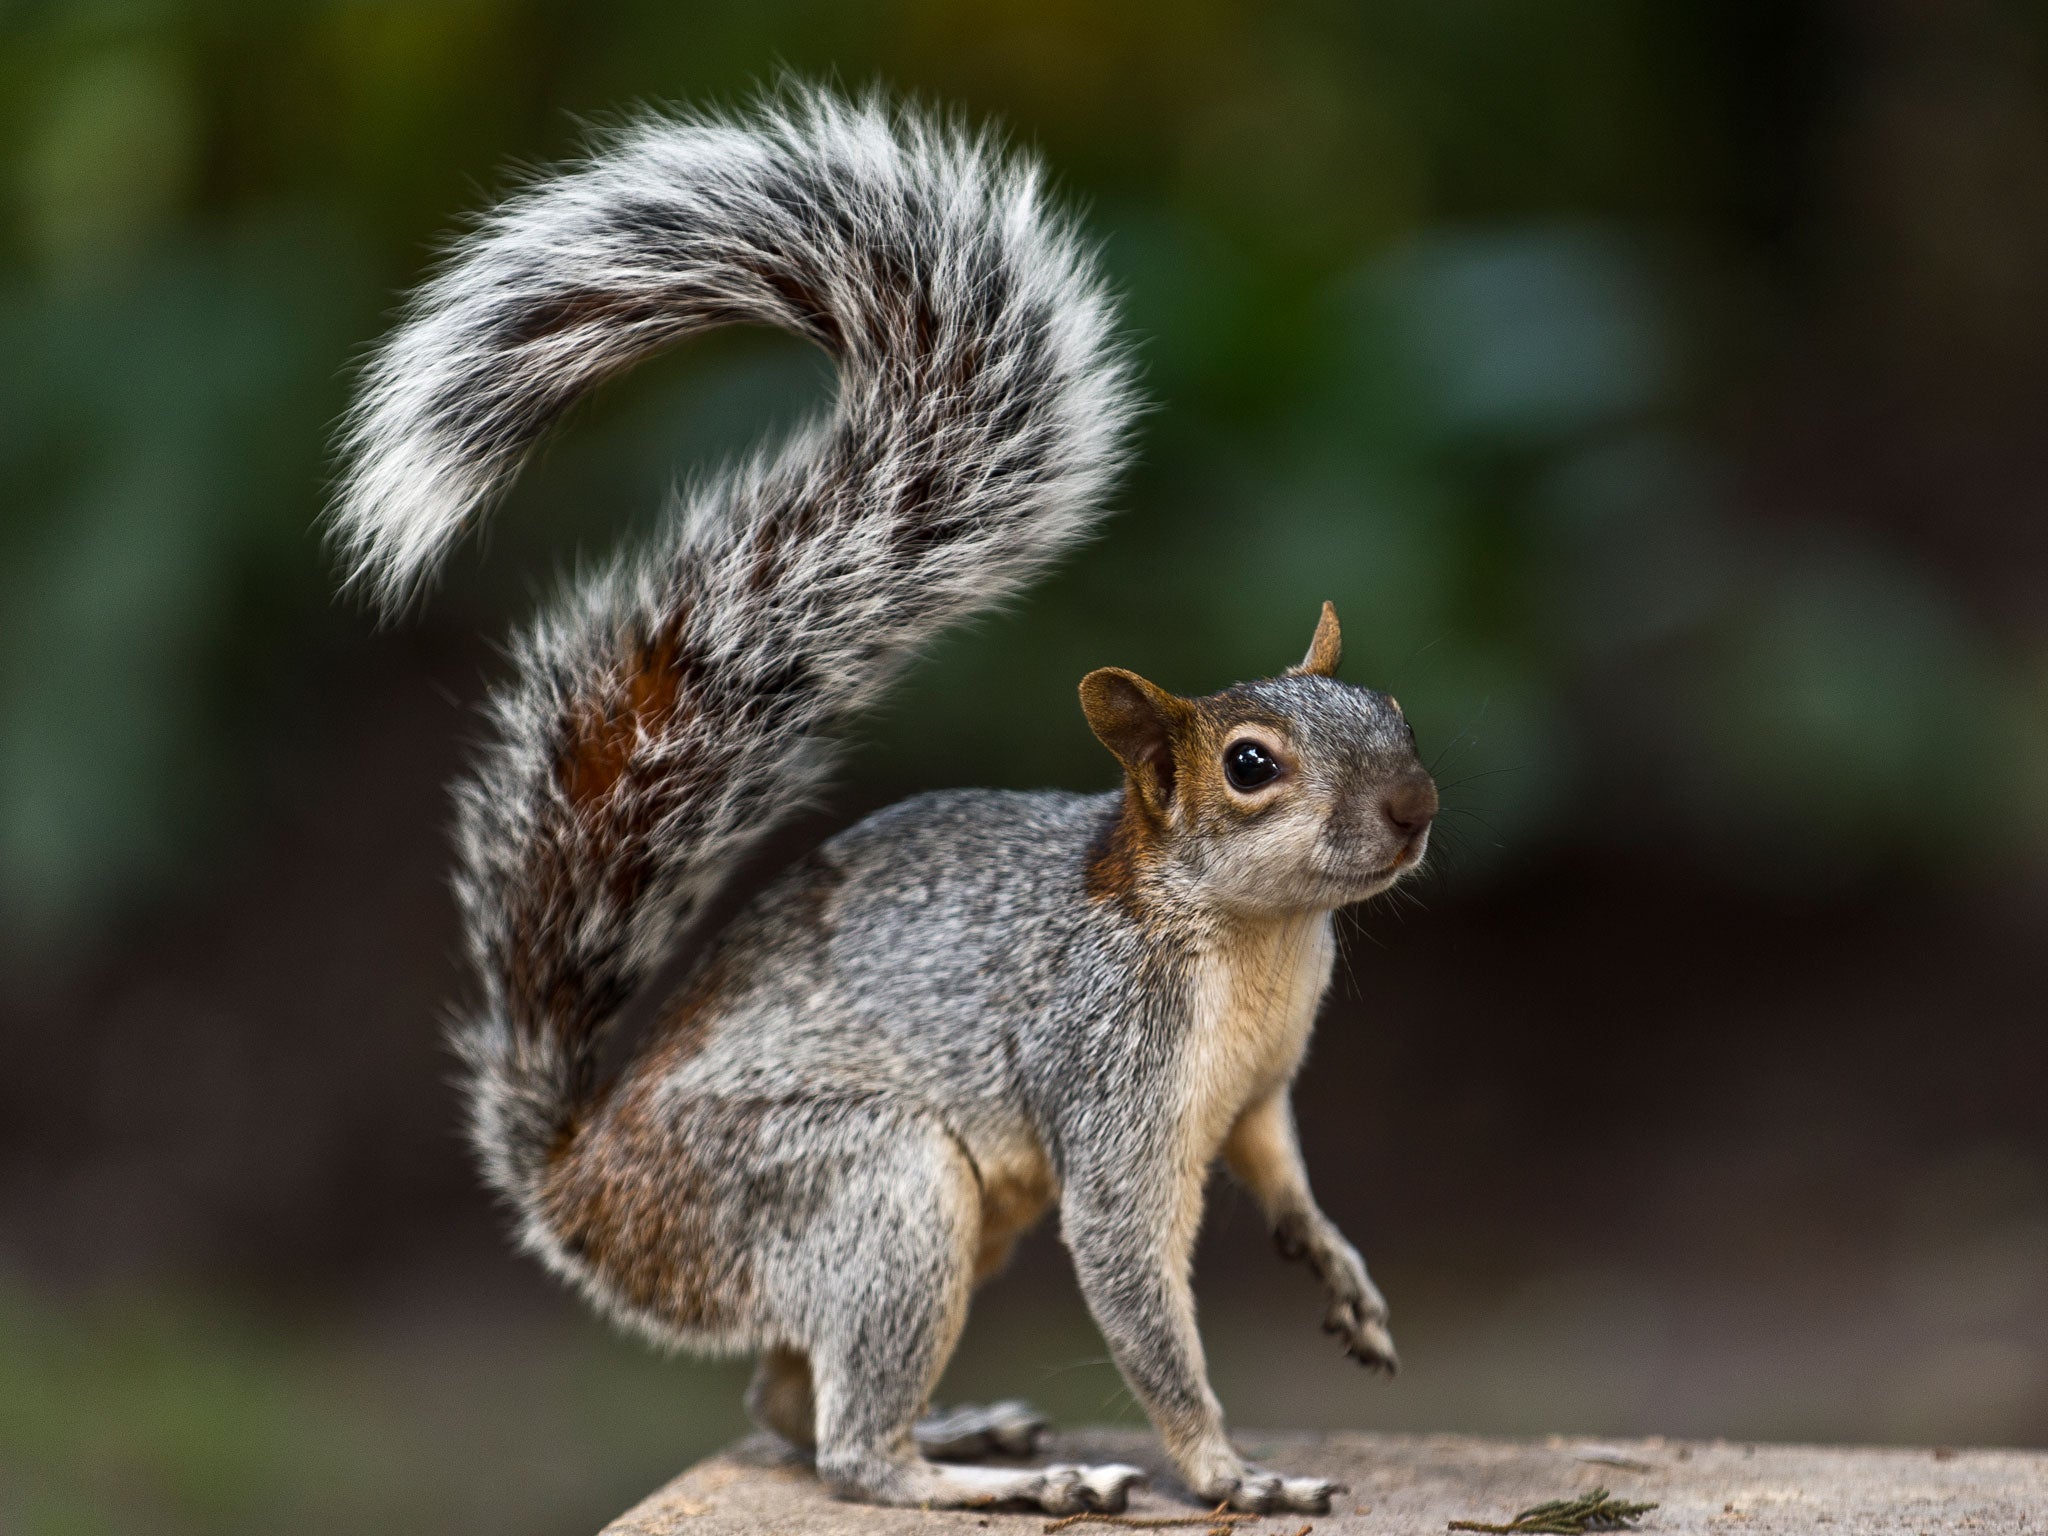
{"x": 1595, "y": 1511}
{"x": 1218, "y": 1519}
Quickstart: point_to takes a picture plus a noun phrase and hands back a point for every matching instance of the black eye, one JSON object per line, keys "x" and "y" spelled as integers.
{"x": 1248, "y": 765}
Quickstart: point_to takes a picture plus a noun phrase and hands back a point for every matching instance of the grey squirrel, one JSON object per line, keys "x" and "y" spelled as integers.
{"x": 967, "y": 1009}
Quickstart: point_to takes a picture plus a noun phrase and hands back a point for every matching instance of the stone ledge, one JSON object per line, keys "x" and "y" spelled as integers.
{"x": 1416, "y": 1484}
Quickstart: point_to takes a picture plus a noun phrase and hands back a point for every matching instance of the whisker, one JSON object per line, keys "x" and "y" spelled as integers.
{"x": 1459, "y": 810}
{"x": 1463, "y": 733}
{"x": 1076, "y": 1365}
{"x": 1484, "y": 773}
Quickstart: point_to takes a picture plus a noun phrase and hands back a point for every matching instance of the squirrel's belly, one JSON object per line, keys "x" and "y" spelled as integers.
{"x": 1017, "y": 1185}
{"x": 1253, "y": 1003}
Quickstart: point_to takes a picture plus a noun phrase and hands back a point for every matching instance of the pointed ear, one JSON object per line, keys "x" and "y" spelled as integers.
{"x": 1325, "y": 650}
{"x": 1136, "y": 720}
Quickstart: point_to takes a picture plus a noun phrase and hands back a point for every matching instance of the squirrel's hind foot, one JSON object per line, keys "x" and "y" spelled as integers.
{"x": 1057, "y": 1490}
{"x": 1082, "y": 1490}
{"x": 1008, "y": 1428}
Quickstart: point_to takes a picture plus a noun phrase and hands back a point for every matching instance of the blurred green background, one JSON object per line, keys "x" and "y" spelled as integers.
{"x": 1656, "y": 386}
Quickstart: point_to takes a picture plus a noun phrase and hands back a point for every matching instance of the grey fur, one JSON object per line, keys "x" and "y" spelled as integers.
{"x": 967, "y": 1007}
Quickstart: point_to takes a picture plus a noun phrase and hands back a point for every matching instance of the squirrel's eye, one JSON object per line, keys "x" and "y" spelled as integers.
{"x": 1248, "y": 765}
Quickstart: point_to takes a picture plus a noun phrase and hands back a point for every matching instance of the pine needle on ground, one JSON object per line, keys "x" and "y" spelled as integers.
{"x": 1217, "y": 1519}
{"x": 1595, "y": 1511}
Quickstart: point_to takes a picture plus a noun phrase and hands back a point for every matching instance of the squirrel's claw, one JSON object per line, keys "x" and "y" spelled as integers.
{"x": 1267, "y": 1493}
{"x": 1073, "y": 1490}
{"x": 1373, "y": 1348}
{"x": 1365, "y": 1335}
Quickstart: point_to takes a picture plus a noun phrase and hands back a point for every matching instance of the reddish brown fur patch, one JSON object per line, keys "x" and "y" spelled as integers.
{"x": 608, "y": 730}
{"x": 635, "y": 1201}
{"x": 1119, "y": 854}
{"x": 1198, "y": 751}
{"x": 686, "y": 1023}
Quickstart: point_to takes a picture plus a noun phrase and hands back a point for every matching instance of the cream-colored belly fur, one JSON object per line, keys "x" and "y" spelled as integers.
{"x": 1256, "y": 991}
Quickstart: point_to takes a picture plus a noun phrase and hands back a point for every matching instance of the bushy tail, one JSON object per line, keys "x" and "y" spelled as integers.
{"x": 673, "y": 708}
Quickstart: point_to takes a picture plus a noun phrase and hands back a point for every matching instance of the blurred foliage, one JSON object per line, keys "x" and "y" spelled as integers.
{"x": 1445, "y": 309}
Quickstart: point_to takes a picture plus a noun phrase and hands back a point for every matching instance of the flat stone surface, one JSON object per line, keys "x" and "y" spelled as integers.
{"x": 1415, "y": 1484}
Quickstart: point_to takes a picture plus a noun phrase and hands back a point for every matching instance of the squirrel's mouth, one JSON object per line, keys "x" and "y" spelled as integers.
{"x": 1369, "y": 883}
{"x": 1374, "y": 881}
{"x": 1354, "y": 884}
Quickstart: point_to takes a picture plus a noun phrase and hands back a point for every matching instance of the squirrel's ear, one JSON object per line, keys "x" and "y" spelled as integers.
{"x": 1325, "y": 650}
{"x": 1136, "y": 720}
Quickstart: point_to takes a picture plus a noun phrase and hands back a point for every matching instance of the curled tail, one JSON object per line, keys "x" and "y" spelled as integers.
{"x": 673, "y": 707}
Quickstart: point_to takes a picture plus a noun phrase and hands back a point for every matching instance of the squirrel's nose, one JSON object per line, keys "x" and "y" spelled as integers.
{"x": 1410, "y": 805}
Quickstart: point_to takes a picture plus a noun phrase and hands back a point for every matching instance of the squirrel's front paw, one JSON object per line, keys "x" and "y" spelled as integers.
{"x": 1256, "y": 1492}
{"x": 1363, "y": 1329}
{"x": 1358, "y": 1313}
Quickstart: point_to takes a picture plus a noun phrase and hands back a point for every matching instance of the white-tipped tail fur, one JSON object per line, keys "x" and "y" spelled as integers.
{"x": 672, "y": 708}
{"x": 821, "y": 216}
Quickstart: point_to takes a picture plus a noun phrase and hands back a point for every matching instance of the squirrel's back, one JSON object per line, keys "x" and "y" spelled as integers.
{"x": 920, "y": 948}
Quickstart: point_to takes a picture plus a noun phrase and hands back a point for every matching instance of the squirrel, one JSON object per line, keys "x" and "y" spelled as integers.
{"x": 971, "y": 1007}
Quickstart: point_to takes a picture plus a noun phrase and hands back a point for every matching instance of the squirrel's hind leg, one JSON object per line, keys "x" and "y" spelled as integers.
{"x": 779, "y": 1398}
{"x": 882, "y": 1278}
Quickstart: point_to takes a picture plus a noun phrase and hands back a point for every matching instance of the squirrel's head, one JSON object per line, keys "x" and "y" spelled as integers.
{"x": 1296, "y": 793}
